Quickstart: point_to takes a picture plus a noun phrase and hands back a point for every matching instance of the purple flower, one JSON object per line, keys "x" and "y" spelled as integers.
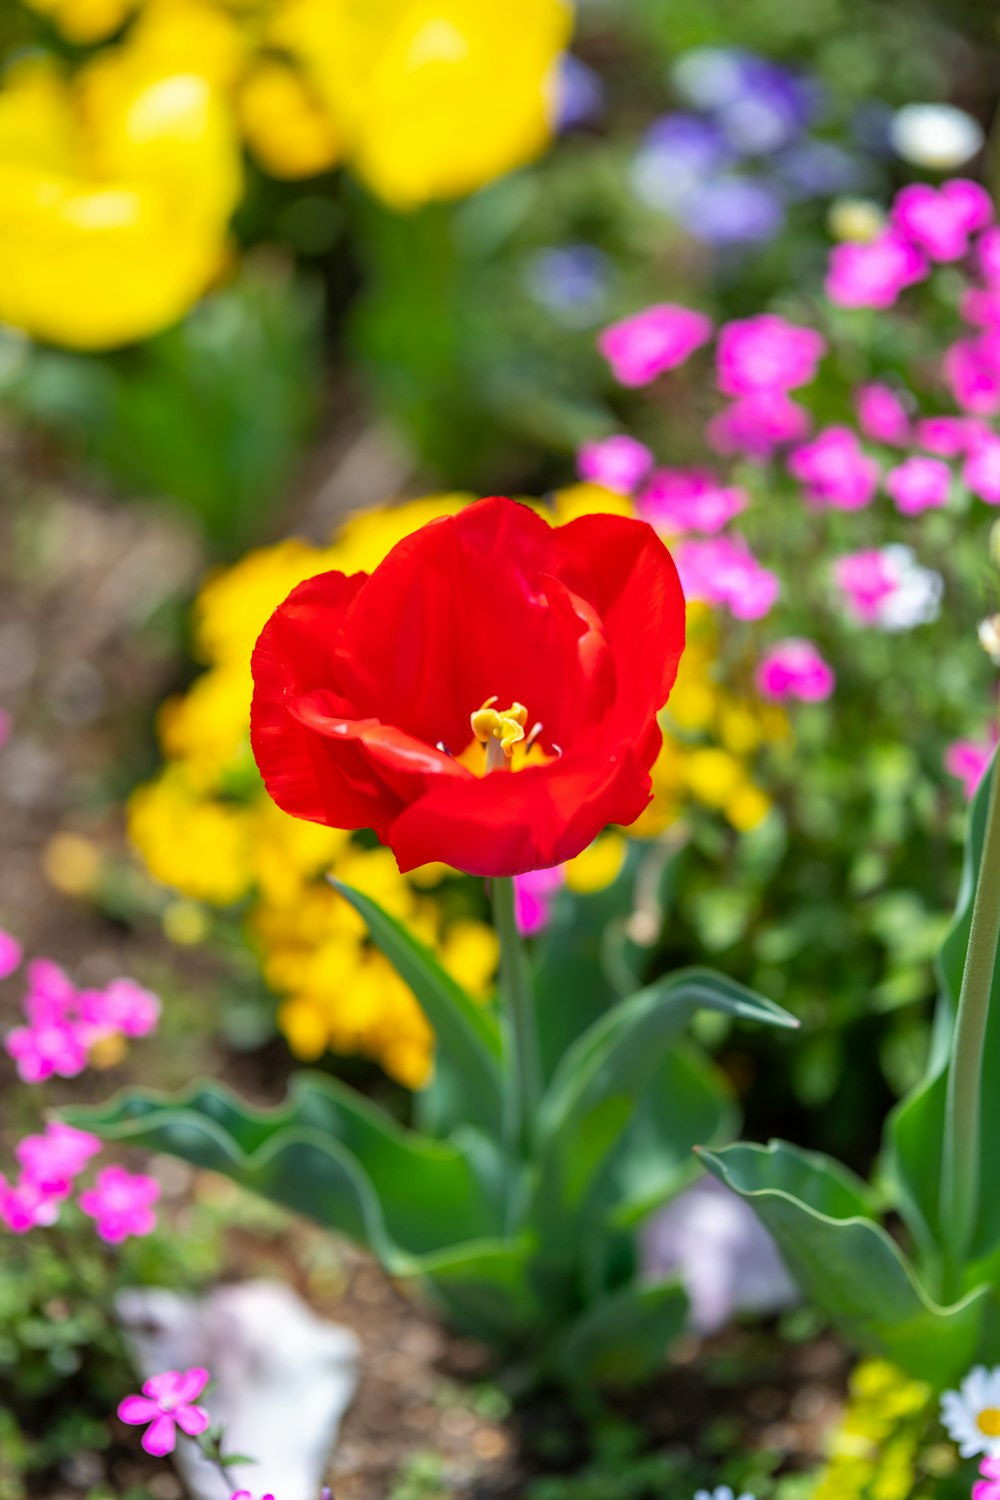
{"x": 679, "y": 151}
{"x": 618, "y": 463}
{"x": 649, "y": 342}
{"x": 54, "y": 1159}
{"x": 26, "y": 1205}
{"x": 819, "y": 169}
{"x": 941, "y": 221}
{"x": 760, "y": 105}
{"x": 723, "y": 571}
{"x": 121, "y": 1205}
{"x": 794, "y": 668}
{"x": 579, "y": 94}
{"x": 44, "y": 1049}
{"x": 760, "y": 355}
{"x": 166, "y": 1404}
{"x": 571, "y": 281}
{"x": 919, "y": 484}
{"x": 733, "y": 210}
{"x": 534, "y": 897}
{"x": 882, "y": 415}
{"x": 757, "y": 425}
{"x": 11, "y": 954}
{"x": 680, "y": 500}
{"x": 835, "y": 470}
{"x": 873, "y": 274}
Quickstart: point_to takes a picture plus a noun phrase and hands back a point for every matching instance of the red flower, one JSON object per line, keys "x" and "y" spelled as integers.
{"x": 487, "y": 697}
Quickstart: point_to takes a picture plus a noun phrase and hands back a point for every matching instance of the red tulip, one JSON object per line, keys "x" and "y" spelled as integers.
{"x": 487, "y": 697}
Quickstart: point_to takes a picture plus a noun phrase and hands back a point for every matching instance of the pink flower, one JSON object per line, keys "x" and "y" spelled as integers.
{"x": 980, "y": 306}
{"x": 945, "y": 436}
{"x": 659, "y": 338}
{"x": 123, "y": 1006}
{"x": 247, "y": 1495}
{"x": 534, "y": 897}
{"x": 988, "y": 1488}
{"x": 882, "y": 416}
{"x": 757, "y": 425}
{"x": 121, "y": 1204}
{"x": 47, "y": 1048}
{"x": 793, "y": 668}
{"x": 679, "y": 500}
{"x": 722, "y": 570}
{"x": 940, "y": 222}
{"x": 972, "y": 370}
{"x": 868, "y": 579}
{"x": 765, "y": 354}
{"x": 873, "y": 274}
{"x": 11, "y": 954}
{"x": 54, "y": 1159}
{"x": 919, "y": 484}
{"x": 26, "y": 1205}
{"x": 51, "y": 997}
{"x": 166, "y": 1404}
{"x": 988, "y": 255}
{"x": 617, "y": 463}
{"x": 835, "y": 470}
{"x": 981, "y": 471}
{"x": 967, "y": 761}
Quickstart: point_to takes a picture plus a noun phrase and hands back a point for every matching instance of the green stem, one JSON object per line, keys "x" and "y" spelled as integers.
{"x": 960, "y": 1166}
{"x": 524, "y": 1069}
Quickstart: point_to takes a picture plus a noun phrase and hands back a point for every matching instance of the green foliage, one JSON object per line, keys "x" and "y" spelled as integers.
{"x": 526, "y": 1243}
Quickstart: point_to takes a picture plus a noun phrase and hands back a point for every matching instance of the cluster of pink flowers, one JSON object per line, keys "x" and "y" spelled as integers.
{"x": 757, "y": 426}
{"x": 678, "y": 501}
{"x": 835, "y": 470}
{"x": 119, "y": 1202}
{"x": 63, "y": 1023}
{"x": 722, "y": 570}
{"x": 794, "y": 668}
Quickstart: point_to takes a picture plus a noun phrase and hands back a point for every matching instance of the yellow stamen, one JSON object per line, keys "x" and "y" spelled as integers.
{"x": 988, "y": 1421}
{"x": 499, "y": 730}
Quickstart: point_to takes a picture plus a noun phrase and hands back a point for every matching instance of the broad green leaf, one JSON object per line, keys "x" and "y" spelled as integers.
{"x": 622, "y": 1339}
{"x": 485, "y": 1290}
{"x": 846, "y": 1263}
{"x": 326, "y": 1152}
{"x": 467, "y": 1035}
{"x": 592, "y": 1098}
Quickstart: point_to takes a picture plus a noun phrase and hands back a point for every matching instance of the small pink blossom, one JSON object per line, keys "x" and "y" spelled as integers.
{"x": 54, "y": 1159}
{"x": 166, "y": 1403}
{"x": 722, "y": 570}
{"x": 945, "y": 436}
{"x": 681, "y": 500}
{"x": 617, "y": 463}
{"x": 757, "y": 425}
{"x": 26, "y": 1205}
{"x": 972, "y": 371}
{"x": 987, "y": 255}
{"x": 247, "y": 1495}
{"x": 967, "y": 761}
{"x": 919, "y": 484}
{"x": 941, "y": 220}
{"x": 51, "y": 996}
{"x": 122, "y": 1007}
{"x": 534, "y": 897}
{"x": 835, "y": 470}
{"x": 765, "y": 354}
{"x": 882, "y": 416}
{"x": 42, "y": 1050}
{"x": 657, "y": 339}
{"x": 981, "y": 471}
{"x": 794, "y": 668}
{"x": 988, "y": 1488}
{"x": 11, "y": 954}
{"x": 867, "y": 578}
{"x": 121, "y": 1204}
{"x": 980, "y": 306}
{"x": 873, "y": 274}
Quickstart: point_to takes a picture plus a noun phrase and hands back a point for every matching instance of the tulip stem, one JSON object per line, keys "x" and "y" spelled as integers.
{"x": 524, "y": 1069}
{"x": 960, "y": 1167}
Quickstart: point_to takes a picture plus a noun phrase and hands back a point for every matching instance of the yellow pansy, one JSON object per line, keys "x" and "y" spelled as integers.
{"x": 115, "y": 194}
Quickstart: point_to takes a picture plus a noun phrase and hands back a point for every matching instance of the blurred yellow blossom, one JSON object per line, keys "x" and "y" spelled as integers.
{"x": 84, "y": 21}
{"x": 116, "y": 189}
{"x": 874, "y": 1449}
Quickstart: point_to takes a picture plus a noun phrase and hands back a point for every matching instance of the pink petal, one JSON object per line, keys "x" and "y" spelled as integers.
{"x": 190, "y": 1384}
{"x": 160, "y": 1436}
{"x": 191, "y": 1419}
{"x": 136, "y": 1409}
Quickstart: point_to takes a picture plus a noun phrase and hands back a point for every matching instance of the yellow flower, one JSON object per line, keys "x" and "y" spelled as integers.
{"x": 196, "y": 846}
{"x": 433, "y": 98}
{"x": 84, "y": 21}
{"x": 284, "y": 123}
{"x": 115, "y": 194}
{"x": 873, "y": 1451}
{"x": 598, "y": 865}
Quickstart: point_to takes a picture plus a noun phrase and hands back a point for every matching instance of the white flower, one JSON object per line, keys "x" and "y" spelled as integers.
{"x": 938, "y": 136}
{"x": 916, "y": 599}
{"x": 972, "y": 1413}
{"x": 723, "y": 1492}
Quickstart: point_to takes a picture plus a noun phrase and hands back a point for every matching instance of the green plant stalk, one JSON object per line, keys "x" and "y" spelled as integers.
{"x": 960, "y": 1164}
{"x": 523, "y": 1074}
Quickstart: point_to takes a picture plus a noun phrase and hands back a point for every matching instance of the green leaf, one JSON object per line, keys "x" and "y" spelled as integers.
{"x": 467, "y": 1035}
{"x": 485, "y": 1290}
{"x": 592, "y": 1098}
{"x": 621, "y": 1339}
{"x": 326, "y": 1152}
{"x": 822, "y": 1219}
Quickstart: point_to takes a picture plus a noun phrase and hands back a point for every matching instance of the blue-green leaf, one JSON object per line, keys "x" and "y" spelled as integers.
{"x": 621, "y": 1339}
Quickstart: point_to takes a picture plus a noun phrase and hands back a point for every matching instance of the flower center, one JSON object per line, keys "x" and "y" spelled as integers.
{"x": 988, "y": 1421}
{"x": 499, "y": 730}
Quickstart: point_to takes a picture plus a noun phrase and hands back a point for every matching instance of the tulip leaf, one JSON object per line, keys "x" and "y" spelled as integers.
{"x": 326, "y": 1153}
{"x": 621, "y": 1339}
{"x": 467, "y": 1035}
{"x": 591, "y": 1101}
{"x": 485, "y": 1290}
{"x": 821, "y": 1217}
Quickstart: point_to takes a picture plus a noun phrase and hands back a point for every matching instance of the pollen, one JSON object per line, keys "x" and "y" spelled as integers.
{"x": 499, "y": 730}
{"x": 988, "y": 1421}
